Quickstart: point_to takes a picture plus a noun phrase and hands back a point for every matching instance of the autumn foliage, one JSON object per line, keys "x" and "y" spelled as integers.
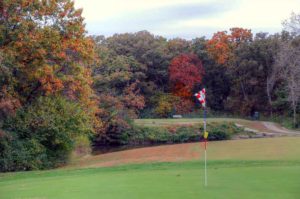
{"x": 221, "y": 45}
{"x": 44, "y": 52}
{"x": 185, "y": 72}
{"x": 45, "y": 42}
{"x": 57, "y": 83}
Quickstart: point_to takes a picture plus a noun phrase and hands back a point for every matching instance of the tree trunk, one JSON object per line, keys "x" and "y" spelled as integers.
{"x": 294, "y": 115}
{"x": 270, "y": 85}
{"x": 244, "y": 92}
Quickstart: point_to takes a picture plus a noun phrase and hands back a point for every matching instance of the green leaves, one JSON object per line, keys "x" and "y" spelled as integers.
{"x": 46, "y": 132}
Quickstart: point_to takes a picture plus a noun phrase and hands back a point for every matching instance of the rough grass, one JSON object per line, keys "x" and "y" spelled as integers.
{"x": 256, "y": 125}
{"x": 279, "y": 148}
{"x": 255, "y": 168}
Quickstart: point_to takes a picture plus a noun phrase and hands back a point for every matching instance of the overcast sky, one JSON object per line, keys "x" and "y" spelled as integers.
{"x": 184, "y": 18}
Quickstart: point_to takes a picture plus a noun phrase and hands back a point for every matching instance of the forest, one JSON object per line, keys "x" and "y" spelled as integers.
{"x": 61, "y": 87}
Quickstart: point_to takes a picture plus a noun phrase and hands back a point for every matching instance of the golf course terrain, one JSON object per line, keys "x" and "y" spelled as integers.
{"x": 161, "y": 99}
{"x": 246, "y": 168}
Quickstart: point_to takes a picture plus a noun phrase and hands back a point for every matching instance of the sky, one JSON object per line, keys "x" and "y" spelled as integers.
{"x": 184, "y": 18}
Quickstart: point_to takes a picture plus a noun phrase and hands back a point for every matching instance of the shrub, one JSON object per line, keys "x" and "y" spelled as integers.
{"x": 222, "y": 131}
{"x": 141, "y": 135}
{"x": 42, "y": 135}
{"x": 165, "y": 105}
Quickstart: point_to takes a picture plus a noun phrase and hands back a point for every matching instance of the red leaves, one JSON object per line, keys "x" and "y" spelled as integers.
{"x": 221, "y": 45}
{"x": 185, "y": 71}
{"x": 132, "y": 99}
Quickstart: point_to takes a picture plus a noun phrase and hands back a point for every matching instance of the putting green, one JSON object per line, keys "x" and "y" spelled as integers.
{"x": 226, "y": 179}
{"x": 255, "y": 168}
{"x": 260, "y": 169}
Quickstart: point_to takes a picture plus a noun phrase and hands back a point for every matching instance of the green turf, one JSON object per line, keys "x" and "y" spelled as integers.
{"x": 227, "y": 179}
{"x": 167, "y": 122}
{"x": 260, "y": 169}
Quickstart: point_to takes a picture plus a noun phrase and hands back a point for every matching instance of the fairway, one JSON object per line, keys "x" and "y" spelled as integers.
{"x": 262, "y": 168}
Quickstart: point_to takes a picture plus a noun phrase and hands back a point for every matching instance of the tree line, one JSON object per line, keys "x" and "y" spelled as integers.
{"x": 59, "y": 86}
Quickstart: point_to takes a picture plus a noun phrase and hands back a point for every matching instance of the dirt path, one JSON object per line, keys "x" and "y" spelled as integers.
{"x": 265, "y": 129}
{"x": 279, "y": 130}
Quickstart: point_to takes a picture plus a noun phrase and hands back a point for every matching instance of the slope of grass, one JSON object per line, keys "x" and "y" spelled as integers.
{"x": 279, "y": 148}
{"x": 250, "y": 124}
{"x": 263, "y": 168}
{"x": 190, "y": 121}
{"x": 193, "y": 121}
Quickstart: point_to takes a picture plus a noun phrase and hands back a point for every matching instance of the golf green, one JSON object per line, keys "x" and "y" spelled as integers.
{"x": 226, "y": 179}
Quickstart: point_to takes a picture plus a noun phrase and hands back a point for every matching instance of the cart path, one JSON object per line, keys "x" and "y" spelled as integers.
{"x": 269, "y": 129}
{"x": 278, "y": 129}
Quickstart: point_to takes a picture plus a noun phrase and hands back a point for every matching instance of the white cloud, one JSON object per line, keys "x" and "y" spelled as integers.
{"x": 98, "y": 10}
{"x": 115, "y": 16}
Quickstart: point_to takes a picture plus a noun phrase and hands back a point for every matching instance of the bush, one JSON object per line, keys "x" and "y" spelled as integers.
{"x": 42, "y": 135}
{"x": 165, "y": 105}
{"x": 138, "y": 135}
{"x": 18, "y": 154}
{"x": 141, "y": 135}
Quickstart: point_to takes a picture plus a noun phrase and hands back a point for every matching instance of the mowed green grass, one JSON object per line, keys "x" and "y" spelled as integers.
{"x": 182, "y": 121}
{"x": 236, "y": 169}
{"x": 230, "y": 179}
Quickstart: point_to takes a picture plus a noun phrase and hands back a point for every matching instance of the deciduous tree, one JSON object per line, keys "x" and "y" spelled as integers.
{"x": 185, "y": 72}
{"x": 288, "y": 68}
{"x": 292, "y": 24}
{"x": 45, "y": 46}
{"x": 222, "y": 45}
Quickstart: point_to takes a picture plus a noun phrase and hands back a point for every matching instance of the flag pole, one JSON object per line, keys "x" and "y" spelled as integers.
{"x": 201, "y": 97}
{"x": 205, "y": 142}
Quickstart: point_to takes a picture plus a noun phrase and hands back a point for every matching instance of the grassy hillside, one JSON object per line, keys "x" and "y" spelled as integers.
{"x": 183, "y": 121}
{"x": 285, "y": 148}
{"x": 256, "y": 168}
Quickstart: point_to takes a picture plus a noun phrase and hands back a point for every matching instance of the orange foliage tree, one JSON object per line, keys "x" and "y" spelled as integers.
{"x": 221, "y": 45}
{"x": 185, "y": 71}
{"x": 44, "y": 46}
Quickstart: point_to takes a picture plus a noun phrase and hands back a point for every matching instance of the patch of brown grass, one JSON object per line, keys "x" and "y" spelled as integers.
{"x": 284, "y": 148}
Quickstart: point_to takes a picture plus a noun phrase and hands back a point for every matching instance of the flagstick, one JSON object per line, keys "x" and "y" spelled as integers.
{"x": 201, "y": 97}
{"x": 205, "y": 166}
{"x": 205, "y": 140}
